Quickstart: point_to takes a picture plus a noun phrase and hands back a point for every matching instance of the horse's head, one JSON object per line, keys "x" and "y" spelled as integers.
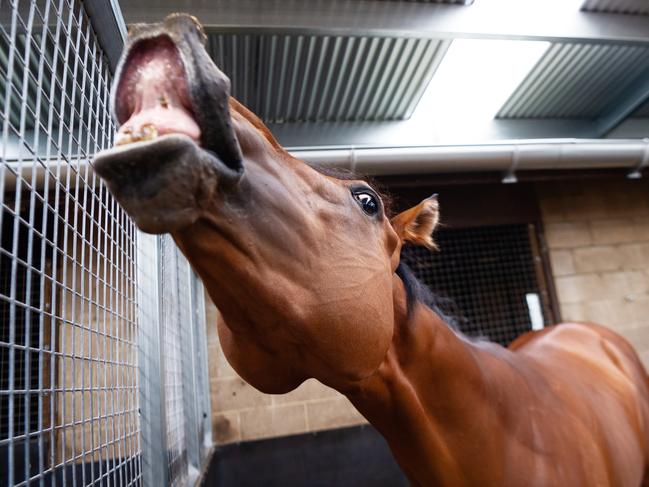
{"x": 301, "y": 264}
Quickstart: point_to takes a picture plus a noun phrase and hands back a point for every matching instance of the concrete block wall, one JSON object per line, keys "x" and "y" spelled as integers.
{"x": 241, "y": 413}
{"x": 598, "y": 237}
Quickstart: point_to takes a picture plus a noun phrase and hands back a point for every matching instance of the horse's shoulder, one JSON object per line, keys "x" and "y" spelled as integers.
{"x": 570, "y": 332}
{"x": 598, "y": 348}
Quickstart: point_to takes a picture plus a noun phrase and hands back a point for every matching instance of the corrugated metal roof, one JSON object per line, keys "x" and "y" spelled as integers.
{"x": 617, "y": 6}
{"x": 575, "y": 80}
{"x": 296, "y": 78}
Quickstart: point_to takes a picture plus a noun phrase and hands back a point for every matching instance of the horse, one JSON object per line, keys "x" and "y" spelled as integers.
{"x": 305, "y": 270}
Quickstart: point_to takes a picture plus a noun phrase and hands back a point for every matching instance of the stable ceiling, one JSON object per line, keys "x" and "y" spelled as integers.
{"x": 388, "y": 72}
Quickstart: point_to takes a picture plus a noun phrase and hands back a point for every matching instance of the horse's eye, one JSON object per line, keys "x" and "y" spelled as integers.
{"x": 367, "y": 201}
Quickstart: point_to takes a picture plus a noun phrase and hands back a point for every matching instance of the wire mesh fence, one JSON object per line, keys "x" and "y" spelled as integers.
{"x": 490, "y": 275}
{"x": 81, "y": 292}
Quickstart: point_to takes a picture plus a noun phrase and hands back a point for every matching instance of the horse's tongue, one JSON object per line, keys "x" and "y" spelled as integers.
{"x": 154, "y": 85}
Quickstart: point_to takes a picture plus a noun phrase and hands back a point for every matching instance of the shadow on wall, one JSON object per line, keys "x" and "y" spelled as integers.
{"x": 356, "y": 456}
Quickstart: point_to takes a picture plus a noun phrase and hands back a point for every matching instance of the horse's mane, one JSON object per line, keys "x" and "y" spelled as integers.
{"x": 417, "y": 292}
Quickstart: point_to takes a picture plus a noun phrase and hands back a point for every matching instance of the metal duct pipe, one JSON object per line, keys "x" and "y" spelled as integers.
{"x": 506, "y": 157}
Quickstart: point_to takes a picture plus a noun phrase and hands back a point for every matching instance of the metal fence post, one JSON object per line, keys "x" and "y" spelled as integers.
{"x": 202, "y": 384}
{"x": 188, "y": 357}
{"x": 153, "y": 435}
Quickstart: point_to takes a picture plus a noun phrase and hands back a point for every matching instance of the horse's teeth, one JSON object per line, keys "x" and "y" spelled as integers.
{"x": 128, "y": 136}
{"x": 123, "y": 139}
{"x": 148, "y": 132}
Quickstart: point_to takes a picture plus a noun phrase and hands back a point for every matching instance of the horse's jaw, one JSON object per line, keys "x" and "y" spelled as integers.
{"x": 175, "y": 146}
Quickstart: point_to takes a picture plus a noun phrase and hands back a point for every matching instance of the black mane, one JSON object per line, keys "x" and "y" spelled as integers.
{"x": 417, "y": 292}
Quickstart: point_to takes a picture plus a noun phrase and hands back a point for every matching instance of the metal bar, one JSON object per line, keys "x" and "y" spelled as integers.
{"x": 203, "y": 405}
{"x": 412, "y": 133}
{"x": 559, "y": 154}
{"x": 151, "y": 391}
{"x": 635, "y": 96}
{"x": 189, "y": 369}
{"x": 109, "y": 26}
{"x": 544, "y": 279}
{"x": 492, "y": 19}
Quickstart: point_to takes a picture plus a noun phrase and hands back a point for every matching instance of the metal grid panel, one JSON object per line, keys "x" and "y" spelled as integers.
{"x": 487, "y": 272}
{"x": 83, "y": 299}
{"x": 153, "y": 434}
{"x": 68, "y": 353}
{"x": 197, "y": 374}
{"x": 574, "y": 80}
{"x": 173, "y": 366}
{"x": 617, "y": 6}
{"x": 172, "y": 272}
{"x": 184, "y": 366}
{"x": 309, "y": 78}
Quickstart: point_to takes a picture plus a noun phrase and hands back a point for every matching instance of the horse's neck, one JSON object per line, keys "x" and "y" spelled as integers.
{"x": 436, "y": 399}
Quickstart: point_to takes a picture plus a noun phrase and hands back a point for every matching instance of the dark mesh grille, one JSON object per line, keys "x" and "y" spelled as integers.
{"x": 487, "y": 272}
{"x": 28, "y": 369}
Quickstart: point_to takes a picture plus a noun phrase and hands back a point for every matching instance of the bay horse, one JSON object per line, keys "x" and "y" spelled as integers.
{"x": 305, "y": 270}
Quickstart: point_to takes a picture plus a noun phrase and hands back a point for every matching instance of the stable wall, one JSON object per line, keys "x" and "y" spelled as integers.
{"x": 597, "y": 233}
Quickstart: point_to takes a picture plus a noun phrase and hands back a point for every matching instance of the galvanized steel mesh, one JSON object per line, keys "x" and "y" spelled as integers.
{"x": 485, "y": 273}
{"x": 81, "y": 291}
{"x": 69, "y": 360}
{"x": 174, "y": 276}
{"x": 185, "y": 368}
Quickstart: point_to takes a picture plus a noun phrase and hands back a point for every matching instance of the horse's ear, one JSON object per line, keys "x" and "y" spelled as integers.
{"x": 416, "y": 224}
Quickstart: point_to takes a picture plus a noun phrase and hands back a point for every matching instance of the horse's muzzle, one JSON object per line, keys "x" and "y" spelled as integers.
{"x": 163, "y": 184}
{"x": 176, "y": 138}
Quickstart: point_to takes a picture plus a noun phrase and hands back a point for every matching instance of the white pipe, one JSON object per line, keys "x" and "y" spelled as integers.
{"x": 506, "y": 157}
{"x": 499, "y": 157}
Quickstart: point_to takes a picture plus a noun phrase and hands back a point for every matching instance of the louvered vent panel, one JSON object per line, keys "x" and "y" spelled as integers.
{"x": 574, "y": 80}
{"x": 298, "y": 78}
{"x": 640, "y": 7}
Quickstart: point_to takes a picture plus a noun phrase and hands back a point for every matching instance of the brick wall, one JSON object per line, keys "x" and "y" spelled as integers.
{"x": 598, "y": 236}
{"x": 240, "y": 412}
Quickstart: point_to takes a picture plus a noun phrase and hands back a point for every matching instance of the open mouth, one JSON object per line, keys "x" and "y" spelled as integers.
{"x": 175, "y": 147}
{"x": 152, "y": 98}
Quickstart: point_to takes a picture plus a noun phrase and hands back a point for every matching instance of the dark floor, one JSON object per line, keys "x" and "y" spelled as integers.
{"x": 357, "y": 457}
